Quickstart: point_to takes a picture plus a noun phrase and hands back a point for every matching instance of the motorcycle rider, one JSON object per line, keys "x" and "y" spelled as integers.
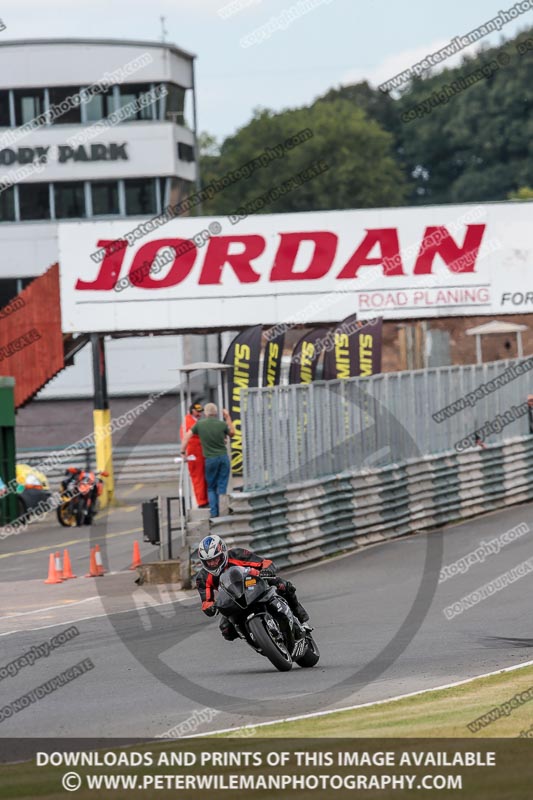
{"x": 216, "y": 558}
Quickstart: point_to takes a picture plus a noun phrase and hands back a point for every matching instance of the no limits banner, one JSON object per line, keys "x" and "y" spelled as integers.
{"x": 243, "y": 357}
{"x": 354, "y": 349}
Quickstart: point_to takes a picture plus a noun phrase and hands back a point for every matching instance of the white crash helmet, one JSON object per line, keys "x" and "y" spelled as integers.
{"x": 213, "y": 553}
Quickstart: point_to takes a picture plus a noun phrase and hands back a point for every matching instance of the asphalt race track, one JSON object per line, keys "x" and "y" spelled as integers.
{"x": 378, "y": 618}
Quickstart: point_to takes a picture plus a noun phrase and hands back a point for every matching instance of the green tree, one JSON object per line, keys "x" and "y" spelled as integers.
{"x": 208, "y": 145}
{"x": 473, "y": 143}
{"x": 377, "y": 105}
{"x": 362, "y": 170}
{"x": 476, "y": 144}
{"x": 524, "y": 193}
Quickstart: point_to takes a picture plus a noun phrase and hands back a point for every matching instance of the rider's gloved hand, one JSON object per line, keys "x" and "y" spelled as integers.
{"x": 268, "y": 569}
{"x": 208, "y": 607}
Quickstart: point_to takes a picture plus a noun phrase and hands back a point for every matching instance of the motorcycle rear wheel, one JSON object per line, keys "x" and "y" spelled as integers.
{"x": 282, "y": 661}
{"x": 92, "y": 512}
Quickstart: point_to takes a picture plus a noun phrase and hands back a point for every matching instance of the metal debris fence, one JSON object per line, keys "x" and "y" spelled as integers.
{"x": 304, "y": 432}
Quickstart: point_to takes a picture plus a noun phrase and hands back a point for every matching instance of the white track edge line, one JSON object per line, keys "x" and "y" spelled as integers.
{"x": 363, "y": 705}
{"x": 94, "y": 616}
{"x": 50, "y": 608}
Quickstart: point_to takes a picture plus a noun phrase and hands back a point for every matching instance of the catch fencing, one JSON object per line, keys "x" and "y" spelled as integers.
{"x": 304, "y": 432}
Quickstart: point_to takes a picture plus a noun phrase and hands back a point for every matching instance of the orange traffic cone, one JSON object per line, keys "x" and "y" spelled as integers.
{"x": 59, "y": 565}
{"x": 67, "y": 567}
{"x": 136, "y": 562}
{"x": 52, "y": 574}
{"x": 98, "y": 556}
{"x": 93, "y": 568}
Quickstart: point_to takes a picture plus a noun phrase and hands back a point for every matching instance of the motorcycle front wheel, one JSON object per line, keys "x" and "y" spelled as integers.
{"x": 66, "y": 515}
{"x": 277, "y": 654}
{"x": 80, "y": 511}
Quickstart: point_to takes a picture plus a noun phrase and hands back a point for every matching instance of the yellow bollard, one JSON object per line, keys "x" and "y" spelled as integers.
{"x": 103, "y": 444}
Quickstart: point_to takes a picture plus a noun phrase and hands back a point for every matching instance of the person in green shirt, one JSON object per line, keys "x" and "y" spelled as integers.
{"x": 212, "y": 432}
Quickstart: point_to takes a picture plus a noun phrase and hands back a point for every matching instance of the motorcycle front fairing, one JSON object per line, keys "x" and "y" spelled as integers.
{"x": 239, "y": 592}
{"x": 238, "y": 589}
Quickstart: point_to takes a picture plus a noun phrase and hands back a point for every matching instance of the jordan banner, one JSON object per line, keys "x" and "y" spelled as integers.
{"x": 243, "y": 356}
{"x": 353, "y": 349}
{"x": 396, "y": 263}
{"x": 272, "y": 360}
{"x": 305, "y": 356}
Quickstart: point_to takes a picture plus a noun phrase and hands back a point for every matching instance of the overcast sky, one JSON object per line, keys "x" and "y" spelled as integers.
{"x": 334, "y": 43}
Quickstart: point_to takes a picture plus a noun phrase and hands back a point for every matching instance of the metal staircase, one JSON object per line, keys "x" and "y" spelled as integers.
{"x": 33, "y": 347}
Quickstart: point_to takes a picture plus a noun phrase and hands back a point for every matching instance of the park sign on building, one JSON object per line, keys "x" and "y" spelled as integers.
{"x": 186, "y": 273}
{"x": 63, "y": 153}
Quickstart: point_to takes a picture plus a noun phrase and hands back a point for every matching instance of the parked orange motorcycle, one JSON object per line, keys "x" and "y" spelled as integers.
{"x": 80, "y": 492}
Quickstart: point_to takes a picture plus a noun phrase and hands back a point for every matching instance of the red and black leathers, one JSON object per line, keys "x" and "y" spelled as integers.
{"x": 207, "y": 584}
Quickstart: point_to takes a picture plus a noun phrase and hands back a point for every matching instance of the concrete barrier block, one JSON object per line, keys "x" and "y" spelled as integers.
{"x": 163, "y": 572}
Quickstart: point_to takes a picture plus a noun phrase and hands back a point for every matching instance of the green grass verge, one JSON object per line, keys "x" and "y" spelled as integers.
{"x": 443, "y": 713}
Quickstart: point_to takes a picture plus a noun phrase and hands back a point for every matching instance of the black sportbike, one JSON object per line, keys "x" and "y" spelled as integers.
{"x": 263, "y": 618}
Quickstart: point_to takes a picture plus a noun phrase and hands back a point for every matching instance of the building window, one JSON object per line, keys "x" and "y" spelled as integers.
{"x": 176, "y": 104}
{"x": 11, "y": 287}
{"x": 8, "y": 290}
{"x": 140, "y": 196}
{"x": 69, "y": 200}
{"x": 58, "y": 95}
{"x": 185, "y": 152}
{"x": 7, "y": 204}
{"x": 5, "y": 119}
{"x": 34, "y": 201}
{"x": 99, "y": 106}
{"x": 29, "y": 103}
{"x": 133, "y": 93}
{"x": 105, "y": 198}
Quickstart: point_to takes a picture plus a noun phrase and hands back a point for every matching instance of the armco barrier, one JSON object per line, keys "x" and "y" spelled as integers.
{"x": 312, "y": 519}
